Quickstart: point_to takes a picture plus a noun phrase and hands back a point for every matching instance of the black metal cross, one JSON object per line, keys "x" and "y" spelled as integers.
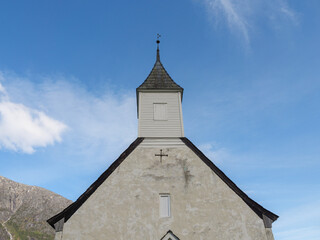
{"x": 161, "y": 155}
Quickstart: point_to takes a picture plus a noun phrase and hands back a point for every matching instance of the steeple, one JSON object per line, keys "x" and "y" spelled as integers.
{"x": 159, "y": 103}
{"x": 159, "y": 78}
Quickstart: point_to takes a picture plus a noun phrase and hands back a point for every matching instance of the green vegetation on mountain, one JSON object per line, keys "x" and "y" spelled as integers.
{"x": 24, "y": 210}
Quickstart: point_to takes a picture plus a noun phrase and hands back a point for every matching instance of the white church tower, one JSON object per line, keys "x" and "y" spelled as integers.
{"x": 162, "y": 187}
{"x": 159, "y": 104}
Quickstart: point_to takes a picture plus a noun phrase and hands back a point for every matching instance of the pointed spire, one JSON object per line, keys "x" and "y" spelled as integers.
{"x": 159, "y": 78}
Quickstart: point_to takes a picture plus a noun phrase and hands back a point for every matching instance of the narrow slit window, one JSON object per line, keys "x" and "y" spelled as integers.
{"x": 165, "y": 205}
{"x": 160, "y": 111}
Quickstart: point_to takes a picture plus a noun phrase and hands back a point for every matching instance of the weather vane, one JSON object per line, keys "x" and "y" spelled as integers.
{"x": 158, "y": 41}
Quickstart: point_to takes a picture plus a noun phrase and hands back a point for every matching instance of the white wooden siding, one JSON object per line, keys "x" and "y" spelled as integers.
{"x": 160, "y": 111}
{"x": 162, "y": 142}
{"x": 148, "y": 127}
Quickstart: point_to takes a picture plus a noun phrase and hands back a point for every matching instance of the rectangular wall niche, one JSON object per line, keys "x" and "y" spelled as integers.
{"x": 165, "y": 205}
{"x": 160, "y": 111}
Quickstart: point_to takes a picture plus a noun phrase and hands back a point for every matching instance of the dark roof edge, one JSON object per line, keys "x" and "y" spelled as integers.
{"x": 71, "y": 209}
{"x": 257, "y": 208}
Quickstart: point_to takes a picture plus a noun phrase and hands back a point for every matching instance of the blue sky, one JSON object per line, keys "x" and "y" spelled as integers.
{"x": 250, "y": 70}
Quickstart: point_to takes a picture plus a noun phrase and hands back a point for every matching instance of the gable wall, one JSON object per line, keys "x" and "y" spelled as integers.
{"x": 126, "y": 205}
{"x": 148, "y": 127}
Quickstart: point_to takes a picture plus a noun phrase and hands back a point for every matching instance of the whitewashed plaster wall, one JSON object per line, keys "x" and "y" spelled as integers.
{"x": 126, "y": 205}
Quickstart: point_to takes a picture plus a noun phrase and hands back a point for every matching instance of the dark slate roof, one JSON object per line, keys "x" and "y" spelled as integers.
{"x": 159, "y": 79}
{"x": 70, "y": 210}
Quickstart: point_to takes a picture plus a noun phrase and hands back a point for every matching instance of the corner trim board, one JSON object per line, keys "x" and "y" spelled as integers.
{"x": 58, "y": 226}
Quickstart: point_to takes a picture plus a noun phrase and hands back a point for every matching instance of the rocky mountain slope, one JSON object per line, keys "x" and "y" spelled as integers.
{"x": 24, "y": 210}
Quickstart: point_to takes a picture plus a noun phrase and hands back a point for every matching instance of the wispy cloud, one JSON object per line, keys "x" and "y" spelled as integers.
{"x": 24, "y": 129}
{"x": 232, "y": 12}
{"x": 241, "y": 16}
{"x": 287, "y": 11}
{"x": 302, "y": 222}
{"x": 310, "y": 233}
{"x": 215, "y": 153}
{"x": 99, "y": 125}
{"x": 2, "y": 90}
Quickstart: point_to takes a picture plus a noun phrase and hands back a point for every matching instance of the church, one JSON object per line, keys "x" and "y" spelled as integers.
{"x": 162, "y": 187}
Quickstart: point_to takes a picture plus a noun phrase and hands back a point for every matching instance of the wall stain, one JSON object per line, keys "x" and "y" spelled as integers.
{"x": 156, "y": 177}
{"x": 186, "y": 172}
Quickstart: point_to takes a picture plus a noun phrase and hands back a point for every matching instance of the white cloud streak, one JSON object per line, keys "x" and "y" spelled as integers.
{"x": 310, "y": 233}
{"x": 100, "y": 125}
{"x": 23, "y": 129}
{"x": 241, "y": 16}
{"x": 2, "y": 90}
{"x": 232, "y": 12}
{"x": 214, "y": 153}
{"x": 302, "y": 222}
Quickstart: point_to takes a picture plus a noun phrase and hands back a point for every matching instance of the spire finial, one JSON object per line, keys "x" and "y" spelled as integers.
{"x": 158, "y": 41}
